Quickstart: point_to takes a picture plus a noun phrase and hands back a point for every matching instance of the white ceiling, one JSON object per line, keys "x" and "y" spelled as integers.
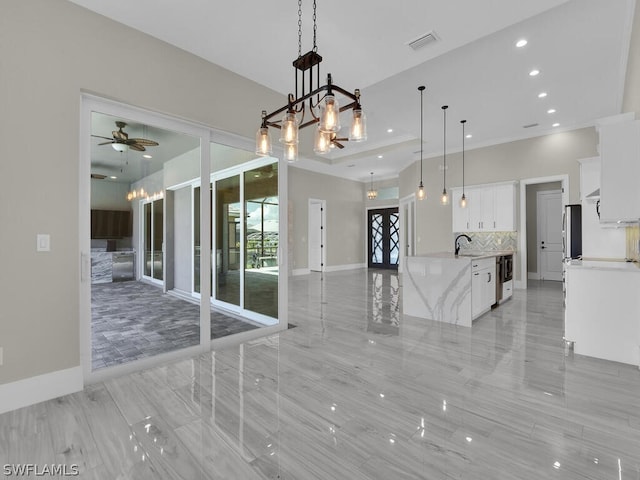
{"x": 579, "y": 46}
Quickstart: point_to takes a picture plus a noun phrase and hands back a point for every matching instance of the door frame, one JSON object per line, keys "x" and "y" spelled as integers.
{"x": 323, "y": 234}
{"x": 366, "y": 236}
{"x": 538, "y": 223}
{"x": 90, "y": 103}
{"x": 407, "y": 230}
{"x": 522, "y": 250}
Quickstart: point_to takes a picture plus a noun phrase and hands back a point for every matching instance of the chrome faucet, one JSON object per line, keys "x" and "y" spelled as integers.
{"x": 457, "y": 242}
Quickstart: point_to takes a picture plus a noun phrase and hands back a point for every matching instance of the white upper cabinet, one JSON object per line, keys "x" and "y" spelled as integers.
{"x": 490, "y": 208}
{"x": 620, "y": 174}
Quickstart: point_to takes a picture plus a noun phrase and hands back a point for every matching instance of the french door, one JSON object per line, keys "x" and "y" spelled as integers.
{"x": 383, "y": 238}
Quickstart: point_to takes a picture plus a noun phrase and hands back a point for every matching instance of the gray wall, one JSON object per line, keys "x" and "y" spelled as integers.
{"x": 64, "y": 50}
{"x": 532, "y": 221}
{"x": 182, "y": 234}
{"x": 109, "y": 195}
{"x": 345, "y": 217}
{"x": 530, "y": 158}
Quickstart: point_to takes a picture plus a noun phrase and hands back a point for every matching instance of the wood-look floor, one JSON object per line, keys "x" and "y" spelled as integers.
{"x": 356, "y": 391}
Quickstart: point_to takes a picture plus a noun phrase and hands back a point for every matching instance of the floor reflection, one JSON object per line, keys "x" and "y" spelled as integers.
{"x": 384, "y": 302}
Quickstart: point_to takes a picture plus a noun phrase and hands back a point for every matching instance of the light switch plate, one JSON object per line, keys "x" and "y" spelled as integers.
{"x": 1, "y": 356}
{"x": 43, "y": 242}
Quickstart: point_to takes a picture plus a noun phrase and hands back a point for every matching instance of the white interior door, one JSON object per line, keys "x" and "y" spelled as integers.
{"x": 316, "y": 235}
{"x": 549, "y": 207}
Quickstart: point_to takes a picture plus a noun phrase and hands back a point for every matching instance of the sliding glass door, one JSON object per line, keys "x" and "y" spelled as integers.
{"x": 153, "y": 234}
{"x": 246, "y": 244}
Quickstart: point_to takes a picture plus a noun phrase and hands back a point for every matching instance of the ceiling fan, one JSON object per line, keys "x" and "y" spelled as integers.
{"x": 121, "y": 141}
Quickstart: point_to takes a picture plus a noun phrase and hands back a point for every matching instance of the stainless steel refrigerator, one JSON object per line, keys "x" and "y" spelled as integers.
{"x": 572, "y": 231}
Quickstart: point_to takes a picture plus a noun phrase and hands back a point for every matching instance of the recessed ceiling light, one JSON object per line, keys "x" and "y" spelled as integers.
{"x": 379, "y": 156}
{"x": 521, "y": 43}
{"x": 468, "y": 135}
{"x": 534, "y": 72}
{"x": 542, "y": 94}
{"x": 112, "y": 177}
{"x": 555, "y": 125}
{"x": 146, "y": 155}
{"x": 551, "y": 110}
{"x": 389, "y": 130}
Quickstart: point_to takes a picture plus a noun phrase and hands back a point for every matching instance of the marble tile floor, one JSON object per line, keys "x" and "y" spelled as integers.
{"x": 133, "y": 320}
{"x": 340, "y": 397}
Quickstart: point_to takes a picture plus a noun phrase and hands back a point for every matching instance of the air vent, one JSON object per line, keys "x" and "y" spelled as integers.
{"x": 423, "y": 40}
{"x": 530, "y": 125}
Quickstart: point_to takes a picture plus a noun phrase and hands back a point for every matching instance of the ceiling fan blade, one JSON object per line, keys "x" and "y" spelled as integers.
{"x": 98, "y": 176}
{"x": 100, "y": 136}
{"x": 143, "y": 141}
{"x": 137, "y": 147}
{"x": 339, "y": 145}
{"x": 107, "y": 143}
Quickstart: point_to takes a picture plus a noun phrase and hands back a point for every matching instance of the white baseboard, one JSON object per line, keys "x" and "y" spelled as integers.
{"x": 533, "y": 276}
{"x": 352, "y": 266}
{"x": 300, "y": 271}
{"x": 40, "y": 388}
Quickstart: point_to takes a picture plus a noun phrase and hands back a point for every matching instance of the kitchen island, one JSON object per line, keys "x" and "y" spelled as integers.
{"x": 449, "y": 288}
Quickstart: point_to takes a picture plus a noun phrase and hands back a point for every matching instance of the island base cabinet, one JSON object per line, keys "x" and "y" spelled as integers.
{"x": 483, "y": 286}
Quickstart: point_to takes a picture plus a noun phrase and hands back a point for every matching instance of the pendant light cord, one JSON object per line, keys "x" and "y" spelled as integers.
{"x": 421, "y": 88}
{"x": 299, "y": 28}
{"x": 463, "y": 122}
{"x": 444, "y": 155}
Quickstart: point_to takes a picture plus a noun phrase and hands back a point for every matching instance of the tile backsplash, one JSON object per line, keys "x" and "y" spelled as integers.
{"x": 633, "y": 237}
{"x": 489, "y": 241}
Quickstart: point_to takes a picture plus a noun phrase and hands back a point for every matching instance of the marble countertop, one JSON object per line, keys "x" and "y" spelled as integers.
{"x": 468, "y": 254}
{"x": 609, "y": 265}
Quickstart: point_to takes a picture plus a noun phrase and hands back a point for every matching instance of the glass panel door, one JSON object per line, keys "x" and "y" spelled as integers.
{"x": 227, "y": 242}
{"x": 158, "y": 239}
{"x": 261, "y": 240}
{"x": 153, "y": 234}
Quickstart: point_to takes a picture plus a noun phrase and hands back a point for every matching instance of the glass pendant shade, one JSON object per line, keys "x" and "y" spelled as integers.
{"x": 372, "y": 194}
{"x": 322, "y": 142}
{"x": 463, "y": 201}
{"x": 444, "y": 199}
{"x": 263, "y": 142}
{"x": 330, "y": 115}
{"x": 358, "y": 131}
{"x": 291, "y": 153}
{"x": 289, "y": 130}
{"x": 421, "y": 193}
{"x": 120, "y": 147}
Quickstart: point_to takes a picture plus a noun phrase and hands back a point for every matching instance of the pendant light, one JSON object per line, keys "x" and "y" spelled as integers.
{"x": 421, "y": 193}
{"x": 371, "y": 193}
{"x": 463, "y": 198}
{"x": 444, "y": 199}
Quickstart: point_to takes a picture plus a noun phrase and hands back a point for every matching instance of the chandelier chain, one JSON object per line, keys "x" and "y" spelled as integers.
{"x": 315, "y": 27}
{"x": 299, "y": 28}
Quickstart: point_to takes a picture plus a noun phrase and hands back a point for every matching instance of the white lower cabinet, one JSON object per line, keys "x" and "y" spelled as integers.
{"x": 483, "y": 286}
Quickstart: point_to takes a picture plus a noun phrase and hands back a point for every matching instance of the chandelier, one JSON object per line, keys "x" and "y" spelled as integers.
{"x": 318, "y": 103}
{"x": 372, "y": 193}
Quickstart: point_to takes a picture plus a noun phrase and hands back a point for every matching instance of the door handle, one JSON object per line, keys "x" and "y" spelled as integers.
{"x": 489, "y": 280}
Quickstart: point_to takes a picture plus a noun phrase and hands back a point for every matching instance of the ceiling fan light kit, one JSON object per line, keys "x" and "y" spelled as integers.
{"x": 317, "y": 101}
